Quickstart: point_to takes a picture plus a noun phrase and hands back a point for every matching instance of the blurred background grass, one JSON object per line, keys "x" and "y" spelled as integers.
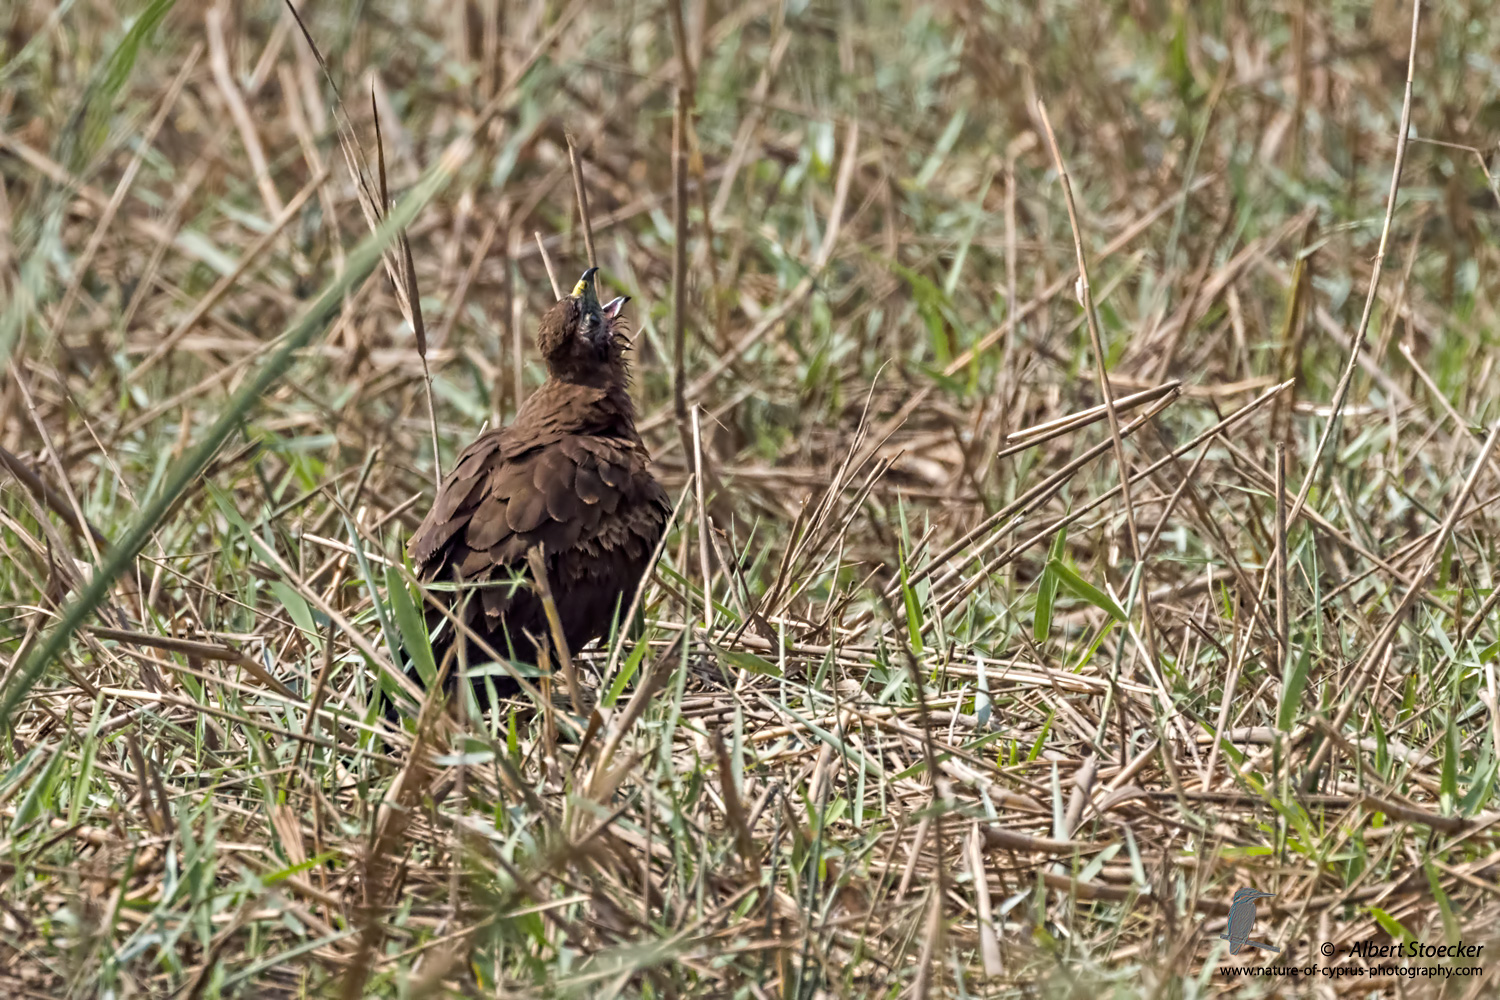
{"x": 900, "y": 755}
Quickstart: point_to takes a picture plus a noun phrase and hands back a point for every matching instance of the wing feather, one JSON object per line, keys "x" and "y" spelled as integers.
{"x": 555, "y": 476}
{"x": 431, "y": 540}
{"x": 526, "y": 510}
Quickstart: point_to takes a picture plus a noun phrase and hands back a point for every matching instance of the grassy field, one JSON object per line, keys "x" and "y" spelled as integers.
{"x": 966, "y": 670}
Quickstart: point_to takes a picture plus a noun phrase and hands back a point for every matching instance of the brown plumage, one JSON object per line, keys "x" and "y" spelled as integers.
{"x": 569, "y": 474}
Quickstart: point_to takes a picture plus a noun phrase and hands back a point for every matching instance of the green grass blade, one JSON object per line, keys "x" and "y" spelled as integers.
{"x": 1291, "y": 691}
{"x": 413, "y": 629}
{"x": 1046, "y": 595}
{"x": 1076, "y": 585}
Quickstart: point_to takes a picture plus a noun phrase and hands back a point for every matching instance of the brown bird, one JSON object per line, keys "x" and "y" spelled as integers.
{"x": 569, "y": 474}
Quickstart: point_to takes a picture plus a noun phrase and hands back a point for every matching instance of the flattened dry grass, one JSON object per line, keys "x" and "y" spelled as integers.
{"x": 1009, "y": 622}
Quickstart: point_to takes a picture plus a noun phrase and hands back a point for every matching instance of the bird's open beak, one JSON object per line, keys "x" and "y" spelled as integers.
{"x": 607, "y": 334}
{"x": 585, "y": 287}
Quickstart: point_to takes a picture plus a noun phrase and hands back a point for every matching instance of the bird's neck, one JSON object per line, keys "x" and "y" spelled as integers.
{"x": 561, "y": 407}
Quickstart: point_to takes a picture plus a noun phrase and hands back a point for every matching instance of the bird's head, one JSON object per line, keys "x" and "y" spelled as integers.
{"x": 581, "y": 340}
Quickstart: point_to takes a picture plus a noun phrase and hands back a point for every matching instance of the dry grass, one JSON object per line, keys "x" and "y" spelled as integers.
{"x": 966, "y": 669}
